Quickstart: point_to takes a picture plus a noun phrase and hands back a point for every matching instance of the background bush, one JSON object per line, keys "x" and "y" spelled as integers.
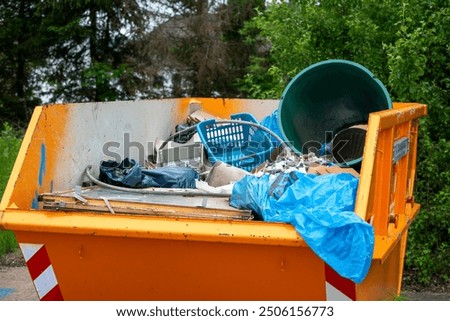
{"x": 10, "y": 140}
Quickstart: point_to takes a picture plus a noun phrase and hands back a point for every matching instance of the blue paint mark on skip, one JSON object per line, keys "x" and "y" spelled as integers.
{"x": 35, "y": 201}
{"x": 5, "y": 292}
{"x": 42, "y": 166}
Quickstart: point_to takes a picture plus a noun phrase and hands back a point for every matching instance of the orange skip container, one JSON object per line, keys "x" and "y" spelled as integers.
{"x": 86, "y": 255}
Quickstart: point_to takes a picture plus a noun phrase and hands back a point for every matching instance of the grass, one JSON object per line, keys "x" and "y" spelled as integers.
{"x": 8, "y": 242}
{"x": 10, "y": 140}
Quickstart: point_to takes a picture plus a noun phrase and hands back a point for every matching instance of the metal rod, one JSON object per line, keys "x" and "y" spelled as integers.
{"x": 154, "y": 190}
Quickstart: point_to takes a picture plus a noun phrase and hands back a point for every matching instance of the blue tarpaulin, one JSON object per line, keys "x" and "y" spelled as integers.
{"x": 320, "y": 207}
{"x": 271, "y": 122}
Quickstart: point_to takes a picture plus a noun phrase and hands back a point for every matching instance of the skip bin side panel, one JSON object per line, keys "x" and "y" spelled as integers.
{"x": 131, "y": 226}
{"x": 35, "y": 168}
{"x": 383, "y": 282}
{"x": 223, "y": 107}
{"x": 113, "y": 130}
{"x": 15, "y": 173}
{"x": 90, "y": 267}
{"x": 384, "y": 278}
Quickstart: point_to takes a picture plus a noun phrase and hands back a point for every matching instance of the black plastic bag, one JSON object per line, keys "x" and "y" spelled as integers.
{"x": 129, "y": 173}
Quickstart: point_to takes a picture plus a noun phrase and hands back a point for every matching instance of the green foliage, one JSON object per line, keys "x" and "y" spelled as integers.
{"x": 66, "y": 51}
{"x": 428, "y": 251}
{"x": 10, "y": 140}
{"x": 8, "y": 242}
{"x": 405, "y": 44}
{"x": 428, "y": 248}
{"x": 20, "y": 52}
{"x": 301, "y": 33}
{"x": 105, "y": 78}
{"x": 420, "y": 71}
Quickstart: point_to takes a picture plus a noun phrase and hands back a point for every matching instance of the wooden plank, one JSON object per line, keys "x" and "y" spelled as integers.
{"x": 176, "y": 206}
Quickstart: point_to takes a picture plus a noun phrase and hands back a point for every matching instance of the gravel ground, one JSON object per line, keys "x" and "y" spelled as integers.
{"x": 16, "y": 284}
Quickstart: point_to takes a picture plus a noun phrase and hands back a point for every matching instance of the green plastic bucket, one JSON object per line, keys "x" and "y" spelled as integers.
{"x": 324, "y": 99}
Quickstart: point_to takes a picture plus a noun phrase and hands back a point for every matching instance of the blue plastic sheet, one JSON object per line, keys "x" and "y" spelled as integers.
{"x": 129, "y": 173}
{"x": 271, "y": 122}
{"x": 321, "y": 209}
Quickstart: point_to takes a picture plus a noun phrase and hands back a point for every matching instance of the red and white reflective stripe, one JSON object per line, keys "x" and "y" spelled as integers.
{"x": 41, "y": 271}
{"x": 338, "y": 288}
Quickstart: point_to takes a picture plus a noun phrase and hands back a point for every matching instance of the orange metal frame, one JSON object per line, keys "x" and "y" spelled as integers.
{"x": 385, "y": 195}
{"x": 385, "y": 192}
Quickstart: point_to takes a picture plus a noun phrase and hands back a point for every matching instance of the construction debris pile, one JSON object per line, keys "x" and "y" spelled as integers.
{"x": 206, "y": 156}
{"x": 194, "y": 168}
{"x": 211, "y": 154}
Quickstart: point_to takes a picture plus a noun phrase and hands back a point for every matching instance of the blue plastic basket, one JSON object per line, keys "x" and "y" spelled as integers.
{"x": 240, "y": 145}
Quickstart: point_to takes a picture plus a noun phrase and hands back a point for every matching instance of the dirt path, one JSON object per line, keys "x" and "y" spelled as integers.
{"x": 15, "y": 281}
{"x": 16, "y": 284}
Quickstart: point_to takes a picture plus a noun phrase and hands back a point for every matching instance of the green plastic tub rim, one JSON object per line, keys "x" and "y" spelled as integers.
{"x": 325, "y": 98}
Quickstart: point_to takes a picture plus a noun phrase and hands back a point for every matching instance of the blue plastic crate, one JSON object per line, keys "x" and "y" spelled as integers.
{"x": 240, "y": 145}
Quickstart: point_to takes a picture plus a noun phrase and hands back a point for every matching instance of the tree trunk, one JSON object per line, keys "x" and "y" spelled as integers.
{"x": 21, "y": 78}
{"x": 93, "y": 45}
